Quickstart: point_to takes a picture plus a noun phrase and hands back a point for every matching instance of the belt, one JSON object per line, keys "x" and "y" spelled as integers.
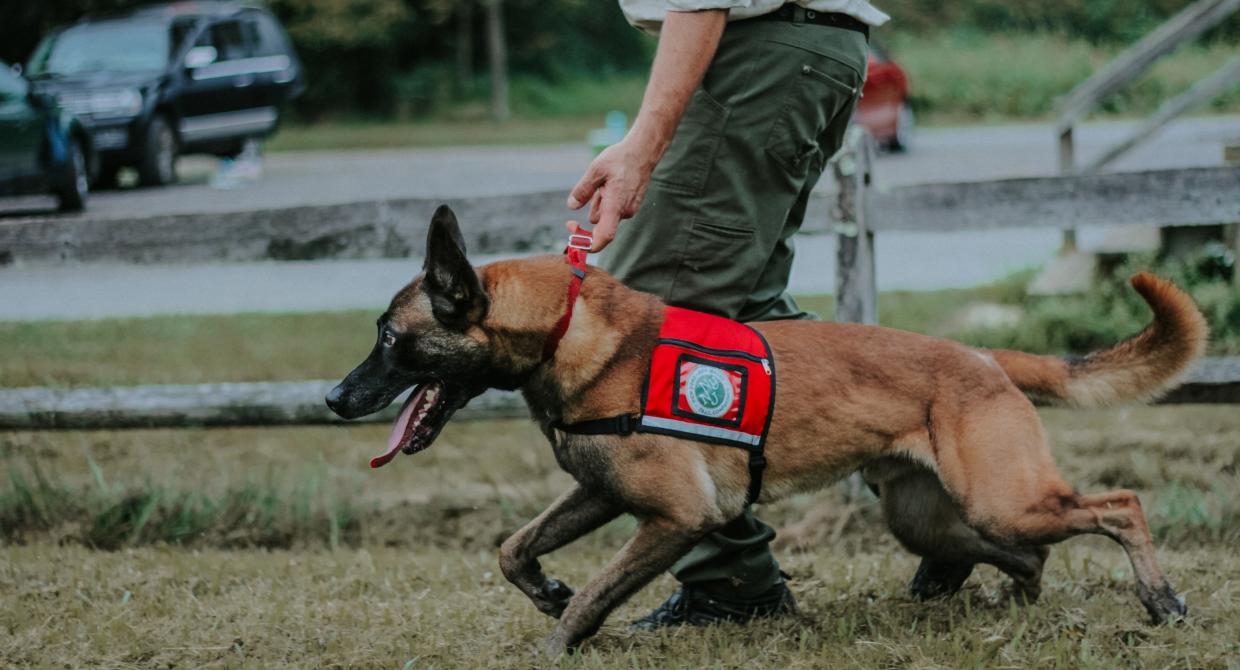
{"x": 799, "y": 14}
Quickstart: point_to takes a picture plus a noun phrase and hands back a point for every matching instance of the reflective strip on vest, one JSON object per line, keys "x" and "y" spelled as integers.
{"x": 699, "y": 429}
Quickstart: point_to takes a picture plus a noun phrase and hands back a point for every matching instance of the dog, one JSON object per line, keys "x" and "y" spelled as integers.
{"x": 945, "y": 433}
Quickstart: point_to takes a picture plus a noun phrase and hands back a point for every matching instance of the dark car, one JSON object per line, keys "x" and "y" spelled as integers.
{"x": 884, "y": 107}
{"x": 43, "y": 149}
{"x": 165, "y": 80}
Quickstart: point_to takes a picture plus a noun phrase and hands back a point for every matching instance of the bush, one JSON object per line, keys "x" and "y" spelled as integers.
{"x": 1112, "y": 311}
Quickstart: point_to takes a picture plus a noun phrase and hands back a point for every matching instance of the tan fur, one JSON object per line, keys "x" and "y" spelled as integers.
{"x": 946, "y": 435}
{"x": 1138, "y": 369}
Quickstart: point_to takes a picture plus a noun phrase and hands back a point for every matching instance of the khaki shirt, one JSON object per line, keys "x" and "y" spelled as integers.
{"x": 649, "y": 14}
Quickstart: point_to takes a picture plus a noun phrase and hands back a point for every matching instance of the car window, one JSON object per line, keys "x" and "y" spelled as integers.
{"x": 228, "y": 39}
{"x": 103, "y": 46}
{"x": 265, "y": 37}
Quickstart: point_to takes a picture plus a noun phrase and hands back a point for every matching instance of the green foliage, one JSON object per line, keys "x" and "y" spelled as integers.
{"x": 578, "y": 97}
{"x": 1112, "y": 311}
{"x": 974, "y": 75}
{"x": 1097, "y": 21}
{"x": 404, "y": 60}
{"x": 399, "y": 58}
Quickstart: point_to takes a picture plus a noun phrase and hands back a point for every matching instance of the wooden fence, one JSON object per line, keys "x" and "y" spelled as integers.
{"x": 1202, "y": 196}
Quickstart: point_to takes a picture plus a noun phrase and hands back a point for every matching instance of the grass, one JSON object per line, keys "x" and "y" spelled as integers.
{"x": 429, "y": 608}
{"x": 309, "y": 487}
{"x": 277, "y": 547}
{"x": 411, "y": 580}
{"x": 286, "y": 347}
{"x": 280, "y": 347}
{"x": 183, "y": 349}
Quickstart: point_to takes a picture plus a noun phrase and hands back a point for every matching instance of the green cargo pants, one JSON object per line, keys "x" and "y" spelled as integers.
{"x": 714, "y": 232}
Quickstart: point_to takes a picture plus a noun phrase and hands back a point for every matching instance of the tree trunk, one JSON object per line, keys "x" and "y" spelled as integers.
{"x": 465, "y": 47}
{"x": 498, "y": 52}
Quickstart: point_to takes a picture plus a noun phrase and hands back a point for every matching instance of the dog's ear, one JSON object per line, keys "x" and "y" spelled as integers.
{"x": 457, "y": 297}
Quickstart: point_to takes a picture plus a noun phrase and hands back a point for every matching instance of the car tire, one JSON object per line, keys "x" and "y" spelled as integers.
{"x": 158, "y": 165}
{"x": 75, "y": 182}
{"x": 906, "y": 124}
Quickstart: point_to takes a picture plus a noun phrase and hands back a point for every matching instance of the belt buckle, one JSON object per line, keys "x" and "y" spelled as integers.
{"x": 574, "y": 241}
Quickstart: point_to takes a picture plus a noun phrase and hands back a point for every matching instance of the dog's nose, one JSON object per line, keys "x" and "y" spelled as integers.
{"x": 334, "y": 398}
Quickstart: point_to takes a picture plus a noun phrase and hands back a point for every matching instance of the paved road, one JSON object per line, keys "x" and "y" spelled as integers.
{"x": 906, "y": 260}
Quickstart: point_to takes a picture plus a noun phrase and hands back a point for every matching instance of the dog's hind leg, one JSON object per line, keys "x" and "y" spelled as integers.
{"x": 926, "y": 521}
{"x": 657, "y": 544}
{"x": 996, "y": 465}
{"x": 572, "y": 515}
{"x": 936, "y": 578}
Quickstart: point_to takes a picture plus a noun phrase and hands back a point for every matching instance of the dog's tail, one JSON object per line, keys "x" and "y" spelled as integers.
{"x": 1140, "y": 368}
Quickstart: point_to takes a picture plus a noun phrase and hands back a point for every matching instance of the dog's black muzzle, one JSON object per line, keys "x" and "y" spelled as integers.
{"x": 370, "y": 387}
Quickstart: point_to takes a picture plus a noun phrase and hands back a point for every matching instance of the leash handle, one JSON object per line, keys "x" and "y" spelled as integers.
{"x": 579, "y": 242}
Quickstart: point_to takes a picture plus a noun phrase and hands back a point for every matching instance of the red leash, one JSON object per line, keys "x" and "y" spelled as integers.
{"x": 579, "y": 243}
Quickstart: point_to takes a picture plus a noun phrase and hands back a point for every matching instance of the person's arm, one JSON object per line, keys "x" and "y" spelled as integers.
{"x": 616, "y": 180}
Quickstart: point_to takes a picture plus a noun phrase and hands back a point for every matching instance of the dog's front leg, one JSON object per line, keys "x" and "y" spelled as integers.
{"x": 653, "y": 549}
{"x": 572, "y": 515}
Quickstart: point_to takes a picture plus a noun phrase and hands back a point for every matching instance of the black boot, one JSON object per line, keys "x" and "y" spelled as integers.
{"x": 693, "y": 607}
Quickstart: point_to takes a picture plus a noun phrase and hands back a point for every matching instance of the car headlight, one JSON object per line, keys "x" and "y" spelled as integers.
{"x": 114, "y": 103}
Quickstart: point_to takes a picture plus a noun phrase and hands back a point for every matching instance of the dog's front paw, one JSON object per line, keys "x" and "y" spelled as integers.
{"x": 553, "y": 597}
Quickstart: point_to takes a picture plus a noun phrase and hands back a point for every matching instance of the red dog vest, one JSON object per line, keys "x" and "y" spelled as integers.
{"x": 711, "y": 379}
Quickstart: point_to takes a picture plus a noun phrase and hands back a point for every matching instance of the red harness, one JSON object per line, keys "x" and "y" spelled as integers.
{"x": 711, "y": 379}
{"x": 579, "y": 243}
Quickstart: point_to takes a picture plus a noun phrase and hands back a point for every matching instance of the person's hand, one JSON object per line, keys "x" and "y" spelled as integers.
{"x": 614, "y": 186}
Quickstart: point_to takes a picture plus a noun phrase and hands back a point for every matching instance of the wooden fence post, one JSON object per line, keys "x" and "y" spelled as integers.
{"x": 1231, "y": 233}
{"x": 856, "y": 295}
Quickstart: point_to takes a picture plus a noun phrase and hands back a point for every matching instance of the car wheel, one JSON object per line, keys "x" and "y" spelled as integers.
{"x": 905, "y": 126}
{"x": 159, "y": 154}
{"x": 75, "y": 184}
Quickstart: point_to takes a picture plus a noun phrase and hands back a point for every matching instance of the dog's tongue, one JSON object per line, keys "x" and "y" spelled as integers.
{"x": 400, "y": 430}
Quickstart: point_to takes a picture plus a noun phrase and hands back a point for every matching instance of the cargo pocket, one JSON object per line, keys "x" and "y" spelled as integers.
{"x": 815, "y": 97}
{"x": 686, "y": 165}
{"x": 716, "y": 270}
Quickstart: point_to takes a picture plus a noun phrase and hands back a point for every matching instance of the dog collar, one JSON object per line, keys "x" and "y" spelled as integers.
{"x": 579, "y": 243}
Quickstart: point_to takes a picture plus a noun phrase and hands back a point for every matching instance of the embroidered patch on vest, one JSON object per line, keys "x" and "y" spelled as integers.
{"x": 711, "y": 379}
{"x": 710, "y": 390}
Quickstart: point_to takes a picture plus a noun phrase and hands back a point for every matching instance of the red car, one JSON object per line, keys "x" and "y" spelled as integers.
{"x": 884, "y": 107}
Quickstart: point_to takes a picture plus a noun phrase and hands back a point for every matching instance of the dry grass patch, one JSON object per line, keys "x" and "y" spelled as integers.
{"x": 429, "y": 608}
{"x": 408, "y": 576}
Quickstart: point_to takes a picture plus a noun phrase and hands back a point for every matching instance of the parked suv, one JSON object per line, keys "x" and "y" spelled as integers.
{"x": 43, "y": 149}
{"x": 161, "y": 81}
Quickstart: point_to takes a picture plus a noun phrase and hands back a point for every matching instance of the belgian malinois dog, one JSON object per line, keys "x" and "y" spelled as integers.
{"x": 945, "y": 433}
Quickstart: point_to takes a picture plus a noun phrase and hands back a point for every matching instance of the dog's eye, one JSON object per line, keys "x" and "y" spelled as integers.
{"x": 389, "y": 338}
